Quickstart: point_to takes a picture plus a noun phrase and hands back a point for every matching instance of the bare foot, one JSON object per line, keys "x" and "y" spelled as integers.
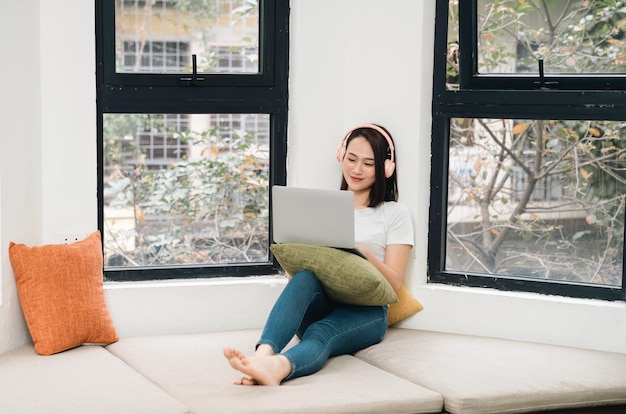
{"x": 258, "y": 369}
{"x": 245, "y": 380}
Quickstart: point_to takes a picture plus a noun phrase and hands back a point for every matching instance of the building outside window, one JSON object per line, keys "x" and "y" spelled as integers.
{"x": 192, "y": 108}
{"x": 529, "y": 146}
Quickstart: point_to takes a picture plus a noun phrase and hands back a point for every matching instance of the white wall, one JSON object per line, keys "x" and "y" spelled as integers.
{"x": 352, "y": 61}
{"x": 68, "y": 118}
{"x": 20, "y": 151}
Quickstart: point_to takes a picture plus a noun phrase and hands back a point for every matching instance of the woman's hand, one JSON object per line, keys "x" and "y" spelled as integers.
{"x": 366, "y": 252}
{"x": 396, "y": 257}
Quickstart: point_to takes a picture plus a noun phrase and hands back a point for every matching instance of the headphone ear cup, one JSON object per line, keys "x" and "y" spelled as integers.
{"x": 341, "y": 152}
{"x": 390, "y": 167}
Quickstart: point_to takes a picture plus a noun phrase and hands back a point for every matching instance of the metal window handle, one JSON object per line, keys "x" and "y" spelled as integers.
{"x": 542, "y": 84}
{"x": 191, "y": 81}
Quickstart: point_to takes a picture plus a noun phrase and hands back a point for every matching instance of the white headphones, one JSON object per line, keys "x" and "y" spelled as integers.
{"x": 390, "y": 165}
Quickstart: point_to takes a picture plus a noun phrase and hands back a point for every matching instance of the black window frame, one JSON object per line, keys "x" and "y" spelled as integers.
{"x": 471, "y": 78}
{"x": 511, "y": 97}
{"x": 265, "y": 92}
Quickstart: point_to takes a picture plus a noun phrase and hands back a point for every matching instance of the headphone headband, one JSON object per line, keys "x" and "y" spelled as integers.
{"x": 390, "y": 164}
{"x": 376, "y": 128}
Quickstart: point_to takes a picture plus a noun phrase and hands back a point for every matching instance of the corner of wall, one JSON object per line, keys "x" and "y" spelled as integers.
{"x": 20, "y": 155}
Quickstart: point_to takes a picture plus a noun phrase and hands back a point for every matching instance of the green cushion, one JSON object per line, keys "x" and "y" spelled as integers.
{"x": 346, "y": 277}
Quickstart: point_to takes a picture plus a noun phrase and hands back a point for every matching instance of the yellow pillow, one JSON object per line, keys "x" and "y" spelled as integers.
{"x": 61, "y": 292}
{"x": 346, "y": 277}
{"x": 406, "y": 306}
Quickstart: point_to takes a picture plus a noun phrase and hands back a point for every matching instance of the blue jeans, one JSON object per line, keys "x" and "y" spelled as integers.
{"x": 325, "y": 328}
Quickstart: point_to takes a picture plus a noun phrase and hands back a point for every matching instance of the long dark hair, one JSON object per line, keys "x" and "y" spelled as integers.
{"x": 384, "y": 189}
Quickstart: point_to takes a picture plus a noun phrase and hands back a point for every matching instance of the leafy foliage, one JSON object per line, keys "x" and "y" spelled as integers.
{"x": 548, "y": 195}
{"x": 570, "y": 36}
{"x": 206, "y": 208}
{"x": 184, "y": 189}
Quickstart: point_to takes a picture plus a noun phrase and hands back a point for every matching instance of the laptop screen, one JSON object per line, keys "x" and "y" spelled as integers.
{"x": 313, "y": 216}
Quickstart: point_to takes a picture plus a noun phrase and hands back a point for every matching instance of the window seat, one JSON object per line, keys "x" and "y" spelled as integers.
{"x": 411, "y": 371}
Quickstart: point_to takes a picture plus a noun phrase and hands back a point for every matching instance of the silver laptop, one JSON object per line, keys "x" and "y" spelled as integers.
{"x": 313, "y": 216}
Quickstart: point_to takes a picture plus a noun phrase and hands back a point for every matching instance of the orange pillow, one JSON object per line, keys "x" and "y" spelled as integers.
{"x": 60, "y": 287}
{"x": 406, "y": 306}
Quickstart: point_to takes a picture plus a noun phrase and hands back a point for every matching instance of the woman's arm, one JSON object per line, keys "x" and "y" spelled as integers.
{"x": 396, "y": 257}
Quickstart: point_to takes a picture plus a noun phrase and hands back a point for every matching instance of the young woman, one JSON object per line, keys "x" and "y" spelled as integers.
{"x": 383, "y": 232}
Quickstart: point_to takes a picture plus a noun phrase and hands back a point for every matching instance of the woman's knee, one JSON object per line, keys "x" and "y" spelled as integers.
{"x": 306, "y": 277}
{"x": 304, "y": 274}
{"x": 347, "y": 332}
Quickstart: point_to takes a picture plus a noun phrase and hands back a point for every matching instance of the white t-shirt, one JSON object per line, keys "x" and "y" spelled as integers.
{"x": 377, "y": 227}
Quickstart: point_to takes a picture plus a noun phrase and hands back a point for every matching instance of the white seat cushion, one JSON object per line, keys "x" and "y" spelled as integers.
{"x": 486, "y": 375}
{"x": 87, "y": 379}
{"x": 193, "y": 369}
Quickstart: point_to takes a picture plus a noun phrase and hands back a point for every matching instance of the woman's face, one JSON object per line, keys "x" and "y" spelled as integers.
{"x": 358, "y": 165}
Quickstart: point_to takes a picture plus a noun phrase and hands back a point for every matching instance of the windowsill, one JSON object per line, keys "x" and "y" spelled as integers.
{"x": 524, "y": 316}
{"x": 204, "y": 305}
{"x": 434, "y": 288}
{"x": 218, "y": 281}
{"x": 517, "y": 295}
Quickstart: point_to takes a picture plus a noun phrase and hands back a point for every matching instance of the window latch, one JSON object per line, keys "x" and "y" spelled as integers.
{"x": 192, "y": 81}
{"x": 542, "y": 84}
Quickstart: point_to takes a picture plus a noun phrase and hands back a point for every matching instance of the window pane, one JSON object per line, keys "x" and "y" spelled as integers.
{"x": 537, "y": 199}
{"x": 185, "y": 189}
{"x": 452, "y": 61}
{"x": 581, "y": 36}
{"x": 161, "y": 36}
